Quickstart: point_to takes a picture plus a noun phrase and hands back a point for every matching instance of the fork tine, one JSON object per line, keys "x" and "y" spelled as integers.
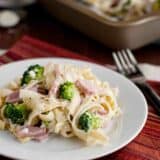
{"x": 124, "y": 64}
{"x": 132, "y": 57}
{"x": 134, "y": 61}
{"x": 123, "y": 58}
{"x": 128, "y": 62}
{"x": 117, "y": 62}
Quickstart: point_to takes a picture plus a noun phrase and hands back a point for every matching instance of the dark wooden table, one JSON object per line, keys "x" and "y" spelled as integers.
{"x": 41, "y": 25}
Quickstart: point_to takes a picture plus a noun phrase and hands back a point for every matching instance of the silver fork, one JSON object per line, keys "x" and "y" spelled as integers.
{"x": 127, "y": 65}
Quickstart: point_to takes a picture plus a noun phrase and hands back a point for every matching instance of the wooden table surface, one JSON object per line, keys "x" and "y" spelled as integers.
{"x": 41, "y": 25}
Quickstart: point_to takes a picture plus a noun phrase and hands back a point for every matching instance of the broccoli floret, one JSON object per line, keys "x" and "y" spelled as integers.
{"x": 96, "y": 123}
{"x": 89, "y": 121}
{"x": 34, "y": 72}
{"x": 8, "y": 110}
{"x": 66, "y": 90}
{"x": 16, "y": 113}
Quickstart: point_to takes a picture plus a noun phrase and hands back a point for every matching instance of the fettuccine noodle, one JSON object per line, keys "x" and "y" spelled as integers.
{"x": 81, "y": 111}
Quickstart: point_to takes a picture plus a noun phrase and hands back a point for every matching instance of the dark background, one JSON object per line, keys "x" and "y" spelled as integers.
{"x": 38, "y": 23}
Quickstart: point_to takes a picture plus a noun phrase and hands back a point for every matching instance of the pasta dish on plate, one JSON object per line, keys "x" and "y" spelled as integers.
{"x": 58, "y": 99}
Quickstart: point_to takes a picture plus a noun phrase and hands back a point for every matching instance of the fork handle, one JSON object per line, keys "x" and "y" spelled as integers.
{"x": 151, "y": 95}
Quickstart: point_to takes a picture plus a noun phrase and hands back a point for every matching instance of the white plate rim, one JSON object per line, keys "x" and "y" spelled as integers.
{"x": 98, "y": 65}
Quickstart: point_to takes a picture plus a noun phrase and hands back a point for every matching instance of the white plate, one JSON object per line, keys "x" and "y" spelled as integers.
{"x": 134, "y": 108}
{"x": 15, "y": 3}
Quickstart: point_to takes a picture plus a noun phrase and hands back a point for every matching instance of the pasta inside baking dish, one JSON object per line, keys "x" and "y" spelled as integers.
{"x": 123, "y": 10}
{"x": 59, "y": 99}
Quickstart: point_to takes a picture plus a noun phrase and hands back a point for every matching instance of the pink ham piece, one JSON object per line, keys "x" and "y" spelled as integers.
{"x": 57, "y": 70}
{"x": 35, "y": 133}
{"x": 55, "y": 84}
{"x": 13, "y": 97}
{"x": 86, "y": 87}
{"x": 41, "y": 138}
{"x": 102, "y": 112}
{"x": 54, "y": 88}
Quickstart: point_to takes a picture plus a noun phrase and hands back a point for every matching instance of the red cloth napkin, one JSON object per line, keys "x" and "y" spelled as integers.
{"x": 146, "y": 146}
